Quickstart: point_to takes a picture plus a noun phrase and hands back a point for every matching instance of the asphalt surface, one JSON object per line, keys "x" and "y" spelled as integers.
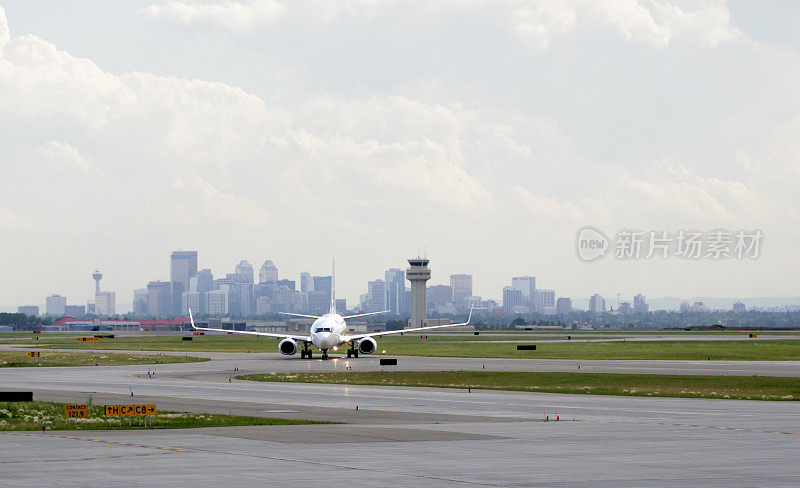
{"x": 396, "y": 436}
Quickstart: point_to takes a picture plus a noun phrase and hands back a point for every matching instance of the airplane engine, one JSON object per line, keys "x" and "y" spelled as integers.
{"x": 287, "y": 347}
{"x": 367, "y": 345}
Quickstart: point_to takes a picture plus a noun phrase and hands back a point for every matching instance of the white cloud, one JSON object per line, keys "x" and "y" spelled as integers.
{"x": 9, "y": 220}
{"x": 227, "y": 206}
{"x": 4, "y": 33}
{"x": 237, "y": 17}
{"x": 547, "y": 207}
{"x": 61, "y": 154}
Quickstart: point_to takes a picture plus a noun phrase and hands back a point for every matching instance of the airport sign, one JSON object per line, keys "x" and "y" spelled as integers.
{"x": 128, "y": 410}
{"x": 33, "y": 354}
{"x": 76, "y": 411}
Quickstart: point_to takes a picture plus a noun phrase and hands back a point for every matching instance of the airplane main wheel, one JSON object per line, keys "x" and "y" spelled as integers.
{"x": 355, "y": 353}
{"x": 308, "y": 355}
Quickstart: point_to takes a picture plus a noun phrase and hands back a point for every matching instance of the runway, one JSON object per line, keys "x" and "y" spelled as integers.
{"x": 399, "y": 436}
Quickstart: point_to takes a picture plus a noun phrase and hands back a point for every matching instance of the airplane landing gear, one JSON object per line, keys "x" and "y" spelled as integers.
{"x": 305, "y": 353}
{"x": 352, "y": 352}
{"x": 324, "y": 354}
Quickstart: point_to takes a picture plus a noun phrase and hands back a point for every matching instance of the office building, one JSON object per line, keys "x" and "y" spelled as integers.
{"x": 263, "y": 305}
{"x": 462, "y": 288}
{"x": 306, "y": 282}
{"x": 183, "y": 266}
{"x": 217, "y": 302}
{"x": 105, "y": 303}
{"x": 190, "y": 300}
{"x": 140, "y": 301}
{"x": 268, "y": 272}
{"x": 244, "y": 272}
{"x": 563, "y": 305}
{"x": 376, "y": 296}
{"x": 738, "y": 307}
{"x": 55, "y": 305}
{"x": 527, "y": 286}
{"x": 512, "y": 299}
{"x": 159, "y": 298}
{"x": 439, "y": 297}
{"x": 597, "y": 304}
{"x": 395, "y": 290}
{"x": 30, "y": 310}
{"x": 75, "y": 310}
{"x": 639, "y": 304}
{"x": 545, "y": 302}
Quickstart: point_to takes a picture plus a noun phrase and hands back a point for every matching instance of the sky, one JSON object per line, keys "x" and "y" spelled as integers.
{"x": 486, "y": 133}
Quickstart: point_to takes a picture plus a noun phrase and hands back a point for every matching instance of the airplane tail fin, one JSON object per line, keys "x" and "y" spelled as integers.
{"x": 333, "y": 286}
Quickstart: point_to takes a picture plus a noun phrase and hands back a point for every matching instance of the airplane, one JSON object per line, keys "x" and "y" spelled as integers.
{"x": 328, "y": 332}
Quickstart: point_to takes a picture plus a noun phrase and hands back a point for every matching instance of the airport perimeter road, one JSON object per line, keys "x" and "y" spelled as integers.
{"x": 405, "y": 437}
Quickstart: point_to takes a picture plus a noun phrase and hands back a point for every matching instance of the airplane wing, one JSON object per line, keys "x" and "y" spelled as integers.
{"x": 403, "y": 331}
{"x": 365, "y": 314}
{"x": 248, "y": 332}
{"x": 300, "y": 315}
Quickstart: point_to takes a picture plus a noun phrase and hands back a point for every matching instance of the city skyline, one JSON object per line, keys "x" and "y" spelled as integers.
{"x": 131, "y": 129}
{"x": 184, "y": 271}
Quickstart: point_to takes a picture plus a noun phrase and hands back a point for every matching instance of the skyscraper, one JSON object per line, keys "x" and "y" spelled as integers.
{"x": 159, "y": 298}
{"x": 183, "y": 266}
{"x": 244, "y": 272}
{"x": 512, "y": 298}
{"x": 268, "y": 272}
{"x": 546, "y": 301}
{"x": 639, "y": 304}
{"x": 526, "y": 285}
{"x": 563, "y": 305}
{"x": 140, "y": 301}
{"x": 376, "y": 296}
{"x": 462, "y": 288}
{"x": 306, "y": 282}
{"x": 395, "y": 290}
{"x": 105, "y": 303}
{"x": 55, "y": 305}
{"x": 597, "y": 304}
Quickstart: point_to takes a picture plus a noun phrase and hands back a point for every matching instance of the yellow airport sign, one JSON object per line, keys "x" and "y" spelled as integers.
{"x": 76, "y": 411}
{"x": 88, "y": 339}
{"x": 33, "y": 354}
{"x": 127, "y": 410}
{"x": 35, "y": 338}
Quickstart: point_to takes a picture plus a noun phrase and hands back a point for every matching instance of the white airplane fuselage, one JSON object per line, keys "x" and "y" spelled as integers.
{"x": 327, "y": 331}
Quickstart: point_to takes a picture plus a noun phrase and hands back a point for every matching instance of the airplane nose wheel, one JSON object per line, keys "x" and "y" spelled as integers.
{"x": 324, "y": 354}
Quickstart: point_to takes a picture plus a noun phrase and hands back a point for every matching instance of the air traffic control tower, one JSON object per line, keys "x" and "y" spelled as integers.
{"x": 418, "y": 273}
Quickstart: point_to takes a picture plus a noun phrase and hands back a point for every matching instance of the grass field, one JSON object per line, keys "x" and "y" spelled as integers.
{"x": 448, "y": 345}
{"x": 34, "y": 415}
{"x": 55, "y": 358}
{"x": 732, "y": 387}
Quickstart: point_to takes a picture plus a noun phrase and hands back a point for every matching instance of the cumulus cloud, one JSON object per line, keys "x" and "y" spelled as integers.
{"x": 237, "y": 17}
{"x": 61, "y": 154}
{"x": 535, "y": 23}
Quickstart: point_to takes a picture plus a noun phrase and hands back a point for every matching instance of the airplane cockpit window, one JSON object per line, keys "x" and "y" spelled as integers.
{"x": 323, "y": 329}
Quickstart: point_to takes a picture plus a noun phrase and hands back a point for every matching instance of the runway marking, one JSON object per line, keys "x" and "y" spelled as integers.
{"x": 161, "y": 450}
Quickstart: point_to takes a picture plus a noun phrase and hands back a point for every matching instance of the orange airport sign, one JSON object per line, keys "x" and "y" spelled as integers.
{"x": 33, "y": 354}
{"x": 127, "y": 410}
{"x": 76, "y": 411}
{"x": 88, "y": 339}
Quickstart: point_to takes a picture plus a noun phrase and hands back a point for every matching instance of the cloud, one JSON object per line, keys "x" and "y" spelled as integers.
{"x": 237, "y": 17}
{"x": 535, "y": 23}
{"x": 10, "y": 221}
{"x": 4, "y": 33}
{"x": 547, "y": 207}
{"x": 227, "y": 206}
{"x": 61, "y": 154}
